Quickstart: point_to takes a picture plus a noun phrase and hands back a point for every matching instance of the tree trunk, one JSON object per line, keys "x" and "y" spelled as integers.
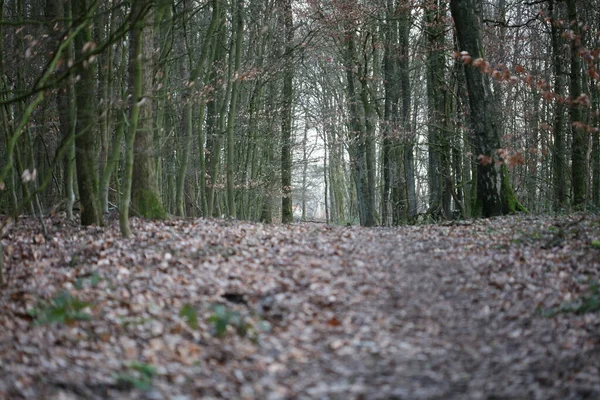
{"x": 196, "y": 74}
{"x": 579, "y": 145}
{"x": 287, "y": 215}
{"x": 483, "y": 113}
{"x": 369, "y": 147}
{"x": 113, "y": 118}
{"x": 357, "y": 146}
{"x": 136, "y": 84}
{"x": 559, "y": 153}
{"x": 305, "y": 167}
{"x": 145, "y": 195}
{"x": 235, "y": 88}
{"x": 595, "y": 161}
{"x": 65, "y": 101}
{"x": 406, "y": 197}
{"x": 85, "y": 154}
{"x": 438, "y": 166}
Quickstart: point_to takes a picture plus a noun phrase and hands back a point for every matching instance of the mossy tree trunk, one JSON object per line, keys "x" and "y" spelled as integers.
{"x": 466, "y": 14}
{"x": 102, "y": 30}
{"x": 145, "y": 195}
{"x": 136, "y": 42}
{"x": 85, "y": 153}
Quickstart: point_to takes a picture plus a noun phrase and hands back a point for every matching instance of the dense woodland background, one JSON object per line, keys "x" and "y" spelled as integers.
{"x": 370, "y": 112}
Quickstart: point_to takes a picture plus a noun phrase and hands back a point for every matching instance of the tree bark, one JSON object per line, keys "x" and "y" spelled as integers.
{"x": 559, "y": 153}
{"x": 231, "y": 118}
{"x": 438, "y": 167}
{"x": 196, "y": 75}
{"x": 145, "y": 195}
{"x": 85, "y": 154}
{"x": 596, "y": 143}
{"x": 287, "y": 215}
{"x": 136, "y": 76}
{"x": 579, "y": 145}
{"x": 466, "y": 14}
{"x": 369, "y": 144}
{"x": 357, "y": 146}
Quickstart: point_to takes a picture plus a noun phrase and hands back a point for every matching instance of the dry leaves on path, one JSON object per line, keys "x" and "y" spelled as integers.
{"x": 224, "y": 309}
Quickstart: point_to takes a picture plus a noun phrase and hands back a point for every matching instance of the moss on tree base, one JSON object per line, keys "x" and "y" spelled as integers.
{"x": 510, "y": 204}
{"x": 147, "y": 204}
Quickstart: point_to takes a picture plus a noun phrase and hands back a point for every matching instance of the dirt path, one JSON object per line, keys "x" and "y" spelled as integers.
{"x": 423, "y": 312}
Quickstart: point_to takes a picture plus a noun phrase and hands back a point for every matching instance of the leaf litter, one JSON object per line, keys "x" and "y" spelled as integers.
{"x": 503, "y": 308}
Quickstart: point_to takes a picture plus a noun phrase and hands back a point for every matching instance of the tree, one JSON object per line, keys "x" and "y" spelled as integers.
{"x": 231, "y": 116}
{"x": 467, "y": 21}
{"x": 85, "y": 155}
{"x": 558, "y": 155}
{"x": 439, "y": 176}
{"x": 360, "y": 123}
{"x": 194, "y": 79}
{"x": 287, "y": 215}
{"x": 145, "y": 195}
{"x": 381, "y": 102}
{"x": 405, "y": 156}
{"x": 577, "y": 103}
{"x": 136, "y": 74}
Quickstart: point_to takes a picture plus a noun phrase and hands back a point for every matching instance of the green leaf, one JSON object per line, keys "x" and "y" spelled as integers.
{"x": 191, "y": 316}
{"x": 264, "y": 326}
{"x": 140, "y": 377}
{"x": 79, "y": 284}
{"x": 73, "y": 262}
{"x": 130, "y": 381}
{"x": 63, "y": 308}
{"x": 95, "y": 279}
{"x": 147, "y": 370}
{"x": 586, "y": 304}
{"x": 220, "y": 319}
{"x": 596, "y": 244}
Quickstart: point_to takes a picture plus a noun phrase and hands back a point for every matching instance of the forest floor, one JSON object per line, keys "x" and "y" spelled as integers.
{"x": 503, "y": 308}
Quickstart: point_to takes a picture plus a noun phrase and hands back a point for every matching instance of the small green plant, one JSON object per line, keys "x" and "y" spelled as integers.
{"x": 73, "y": 262}
{"x": 586, "y": 304}
{"x": 596, "y": 244}
{"x": 222, "y": 317}
{"x": 93, "y": 280}
{"x": 63, "y": 308}
{"x": 139, "y": 376}
{"x": 188, "y": 312}
{"x": 133, "y": 321}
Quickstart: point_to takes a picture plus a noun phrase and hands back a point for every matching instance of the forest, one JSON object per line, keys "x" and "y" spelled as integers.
{"x": 277, "y": 199}
{"x": 370, "y": 114}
